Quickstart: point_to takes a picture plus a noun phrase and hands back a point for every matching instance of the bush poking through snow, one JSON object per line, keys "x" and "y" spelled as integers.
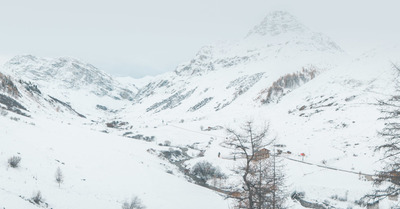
{"x": 206, "y": 171}
{"x": 135, "y": 203}
{"x": 167, "y": 143}
{"x": 14, "y": 161}
{"x": 37, "y": 198}
{"x": 59, "y": 177}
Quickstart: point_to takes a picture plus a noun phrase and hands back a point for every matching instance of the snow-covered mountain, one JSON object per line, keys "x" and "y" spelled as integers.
{"x": 66, "y": 73}
{"x": 72, "y": 81}
{"x": 278, "y": 39}
{"x": 315, "y": 99}
{"x": 26, "y": 99}
{"x": 276, "y": 56}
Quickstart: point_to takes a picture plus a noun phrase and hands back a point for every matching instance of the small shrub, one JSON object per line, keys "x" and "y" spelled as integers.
{"x": 37, "y": 198}
{"x": 340, "y": 198}
{"x": 174, "y": 155}
{"x": 297, "y": 195}
{"x": 206, "y": 171}
{"x": 59, "y": 177}
{"x": 135, "y": 203}
{"x": 14, "y": 118}
{"x": 149, "y": 138}
{"x": 14, "y": 161}
{"x": 142, "y": 137}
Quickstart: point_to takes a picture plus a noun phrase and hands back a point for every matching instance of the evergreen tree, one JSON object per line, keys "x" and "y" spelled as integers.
{"x": 390, "y": 173}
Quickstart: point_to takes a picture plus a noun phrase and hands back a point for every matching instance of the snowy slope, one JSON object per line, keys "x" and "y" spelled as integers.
{"x": 100, "y": 170}
{"x": 27, "y": 100}
{"x": 241, "y": 72}
{"x": 71, "y": 81}
{"x": 315, "y": 99}
{"x": 333, "y": 119}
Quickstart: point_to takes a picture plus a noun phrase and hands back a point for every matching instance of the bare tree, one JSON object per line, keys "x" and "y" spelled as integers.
{"x": 261, "y": 178}
{"x": 390, "y": 173}
{"x": 59, "y": 176}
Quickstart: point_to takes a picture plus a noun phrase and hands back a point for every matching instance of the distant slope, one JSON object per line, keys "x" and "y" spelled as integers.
{"x": 66, "y": 73}
{"x": 26, "y": 99}
{"x": 77, "y": 84}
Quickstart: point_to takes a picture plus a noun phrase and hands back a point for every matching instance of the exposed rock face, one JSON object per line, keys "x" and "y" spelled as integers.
{"x": 8, "y": 86}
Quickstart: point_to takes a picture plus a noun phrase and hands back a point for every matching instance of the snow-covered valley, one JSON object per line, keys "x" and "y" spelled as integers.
{"x": 116, "y": 138}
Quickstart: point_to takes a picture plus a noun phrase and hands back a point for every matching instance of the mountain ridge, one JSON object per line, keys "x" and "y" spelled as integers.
{"x": 69, "y": 73}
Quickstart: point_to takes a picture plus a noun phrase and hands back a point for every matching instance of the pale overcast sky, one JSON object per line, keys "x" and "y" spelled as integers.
{"x": 137, "y": 38}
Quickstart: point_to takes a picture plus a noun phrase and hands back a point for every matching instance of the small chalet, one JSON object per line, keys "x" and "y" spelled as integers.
{"x": 262, "y": 154}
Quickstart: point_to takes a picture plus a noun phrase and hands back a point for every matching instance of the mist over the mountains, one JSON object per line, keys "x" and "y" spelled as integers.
{"x": 131, "y": 38}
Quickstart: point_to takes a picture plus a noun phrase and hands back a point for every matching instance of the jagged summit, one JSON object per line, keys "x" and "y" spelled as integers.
{"x": 277, "y": 23}
{"x": 280, "y": 28}
{"x": 279, "y": 38}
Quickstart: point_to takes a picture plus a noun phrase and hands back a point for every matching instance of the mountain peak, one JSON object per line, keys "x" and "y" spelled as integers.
{"x": 276, "y": 23}
{"x": 279, "y": 37}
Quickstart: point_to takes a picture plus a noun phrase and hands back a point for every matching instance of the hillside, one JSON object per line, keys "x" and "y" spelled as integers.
{"x": 115, "y": 138}
{"x": 72, "y": 81}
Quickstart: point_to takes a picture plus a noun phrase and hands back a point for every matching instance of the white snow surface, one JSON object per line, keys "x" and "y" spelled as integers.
{"x": 100, "y": 170}
{"x": 332, "y": 119}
